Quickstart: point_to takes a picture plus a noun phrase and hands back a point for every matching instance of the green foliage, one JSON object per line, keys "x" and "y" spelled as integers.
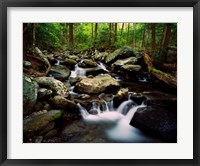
{"x": 54, "y": 36}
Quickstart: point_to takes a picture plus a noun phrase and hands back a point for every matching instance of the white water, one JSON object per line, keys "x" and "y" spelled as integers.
{"x": 119, "y": 129}
{"x": 78, "y": 71}
{"x": 101, "y": 65}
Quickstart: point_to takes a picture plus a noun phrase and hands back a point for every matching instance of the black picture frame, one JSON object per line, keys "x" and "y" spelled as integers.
{"x": 4, "y": 4}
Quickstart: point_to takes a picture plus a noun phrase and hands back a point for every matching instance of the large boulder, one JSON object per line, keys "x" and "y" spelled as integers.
{"x": 60, "y": 72}
{"x": 131, "y": 68}
{"x": 157, "y": 121}
{"x": 36, "y": 123}
{"x": 121, "y": 62}
{"x": 55, "y": 85}
{"x": 62, "y": 103}
{"x": 70, "y": 62}
{"x": 121, "y": 53}
{"x": 94, "y": 71}
{"x": 155, "y": 98}
{"x": 97, "y": 84}
{"x": 30, "y": 90}
{"x": 87, "y": 63}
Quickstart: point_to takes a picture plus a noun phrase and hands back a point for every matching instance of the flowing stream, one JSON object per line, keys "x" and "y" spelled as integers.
{"x": 116, "y": 121}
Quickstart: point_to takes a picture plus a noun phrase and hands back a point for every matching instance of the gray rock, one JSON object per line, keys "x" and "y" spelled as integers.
{"x": 127, "y": 61}
{"x": 157, "y": 121}
{"x": 97, "y": 84}
{"x": 30, "y": 89}
{"x": 132, "y": 68}
{"x": 63, "y": 103}
{"x": 55, "y": 85}
{"x": 121, "y": 53}
{"x": 36, "y": 123}
{"x": 60, "y": 72}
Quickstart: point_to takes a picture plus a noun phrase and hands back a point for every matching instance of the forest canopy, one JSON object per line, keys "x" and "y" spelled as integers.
{"x": 101, "y": 36}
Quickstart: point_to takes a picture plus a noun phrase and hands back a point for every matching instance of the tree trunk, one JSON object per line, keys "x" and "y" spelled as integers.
{"x": 127, "y": 37}
{"x": 153, "y": 36}
{"x": 110, "y": 33}
{"x": 166, "y": 36}
{"x": 143, "y": 37}
{"x": 122, "y": 32}
{"x": 115, "y": 34}
{"x": 71, "y": 36}
{"x": 95, "y": 35}
{"x": 162, "y": 76}
{"x": 34, "y": 35}
{"x": 26, "y": 42}
{"x": 134, "y": 37}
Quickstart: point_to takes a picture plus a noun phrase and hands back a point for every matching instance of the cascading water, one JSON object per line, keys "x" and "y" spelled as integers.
{"x": 118, "y": 119}
{"x": 78, "y": 72}
{"x": 101, "y": 65}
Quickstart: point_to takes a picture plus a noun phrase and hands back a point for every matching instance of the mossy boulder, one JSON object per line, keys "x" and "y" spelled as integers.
{"x": 55, "y": 85}
{"x": 70, "y": 62}
{"x": 131, "y": 68}
{"x": 60, "y": 72}
{"x": 121, "y": 53}
{"x": 121, "y": 62}
{"x": 36, "y": 123}
{"x": 87, "y": 63}
{"x": 62, "y": 103}
{"x": 30, "y": 91}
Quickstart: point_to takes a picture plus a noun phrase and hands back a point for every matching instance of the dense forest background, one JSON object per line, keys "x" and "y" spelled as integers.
{"x": 76, "y": 37}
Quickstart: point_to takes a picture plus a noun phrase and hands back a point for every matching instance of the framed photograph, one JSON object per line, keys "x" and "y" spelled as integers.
{"x": 99, "y": 83}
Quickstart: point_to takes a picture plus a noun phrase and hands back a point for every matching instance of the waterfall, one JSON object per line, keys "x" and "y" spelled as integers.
{"x": 118, "y": 119}
{"x": 101, "y": 65}
{"x": 78, "y": 71}
{"x": 57, "y": 62}
{"x": 124, "y": 106}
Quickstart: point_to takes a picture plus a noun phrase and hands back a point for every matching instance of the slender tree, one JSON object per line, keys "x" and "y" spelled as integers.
{"x": 95, "y": 35}
{"x": 153, "y": 36}
{"x": 127, "y": 36}
{"x": 71, "y": 36}
{"x": 166, "y": 36}
{"x": 143, "y": 36}
{"x": 115, "y": 37}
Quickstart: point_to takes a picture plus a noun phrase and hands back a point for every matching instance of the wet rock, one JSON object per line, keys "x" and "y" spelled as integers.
{"x": 137, "y": 97}
{"x": 36, "y": 123}
{"x": 70, "y": 62}
{"x": 100, "y": 56}
{"x": 97, "y": 84}
{"x": 30, "y": 89}
{"x": 26, "y": 64}
{"x": 154, "y": 98}
{"x": 121, "y": 96}
{"x": 74, "y": 80}
{"x": 74, "y": 57}
{"x": 38, "y": 106}
{"x": 94, "y": 71}
{"x": 47, "y": 107}
{"x": 44, "y": 94}
{"x": 127, "y": 61}
{"x": 132, "y": 68}
{"x": 63, "y": 103}
{"x": 51, "y": 134}
{"x": 121, "y": 53}
{"x": 60, "y": 72}
{"x": 106, "y": 97}
{"x": 156, "y": 121}
{"x": 39, "y": 139}
{"x": 55, "y": 85}
{"x": 87, "y": 63}
{"x": 49, "y": 127}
